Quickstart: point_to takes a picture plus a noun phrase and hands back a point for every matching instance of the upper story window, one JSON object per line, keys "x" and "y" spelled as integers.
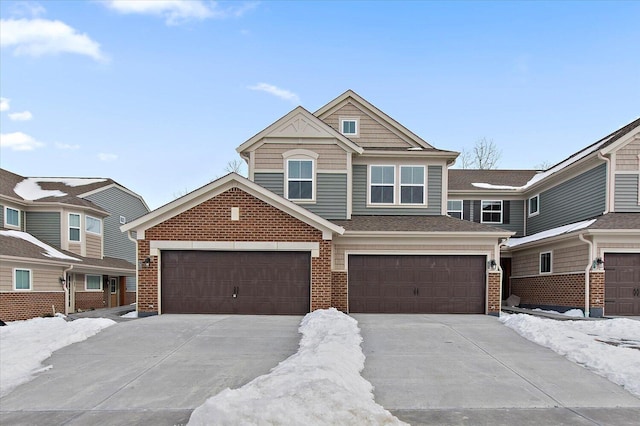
{"x": 22, "y": 279}
{"x": 382, "y": 184}
{"x": 454, "y": 208}
{"x": 300, "y": 179}
{"x": 349, "y": 126}
{"x": 545, "y": 262}
{"x": 93, "y": 225}
{"x": 74, "y": 227}
{"x": 411, "y": 185}
{"x": 12, "y": 217}
{"x": 491, "y": 212}
{"x": 534, "y": 205}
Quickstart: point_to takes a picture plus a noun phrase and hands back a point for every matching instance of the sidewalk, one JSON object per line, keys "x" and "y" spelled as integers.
{"x": 114, "y": 314}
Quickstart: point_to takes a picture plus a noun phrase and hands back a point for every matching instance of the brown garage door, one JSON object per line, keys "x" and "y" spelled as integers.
{"x": 622, "y": 284}
{"x": 416, "y": 284}
{"x": 205, "y": 282}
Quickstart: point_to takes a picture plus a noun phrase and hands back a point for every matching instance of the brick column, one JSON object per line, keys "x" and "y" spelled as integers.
{"x": 493, "y": 293}
{"x": 339, "y": 290}
{"x": 147, "y": 282}
{"x": 321, "y": 278}
{"x": 596, "y": 293}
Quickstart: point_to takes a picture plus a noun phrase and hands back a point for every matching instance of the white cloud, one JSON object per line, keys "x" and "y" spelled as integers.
{"x": 38, "y": 37}
{"x": 21, "y": 116}
{"x": 176, "y": 12}
{"x": 107, "y": 157}
{"x": 18, "y": 141}
{"x": 276, "y": 91}
{"x": 27, "y": 8}
{"x": 4, "y": 104}
{"x": 67, "y": 146}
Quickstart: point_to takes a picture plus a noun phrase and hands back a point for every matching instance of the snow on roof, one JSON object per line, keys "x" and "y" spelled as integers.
{"x": 491, "y": 186}
{"x": 70, "y": 181}
{"x": 30, "y": 189}
{"x": 49, "y": 251}
{"x": 514, "y": 242}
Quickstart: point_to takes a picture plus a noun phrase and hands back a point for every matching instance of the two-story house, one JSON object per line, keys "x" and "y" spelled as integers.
{"x": 61, "y": 249}
{"x": 343, "y": 207}
{"x": 577, "y": 224}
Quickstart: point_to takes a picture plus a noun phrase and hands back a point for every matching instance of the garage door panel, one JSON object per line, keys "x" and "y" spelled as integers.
{"x": 265, "y": 282}
{"x": 622, "y": 283}
{"x": 416, "y": 284}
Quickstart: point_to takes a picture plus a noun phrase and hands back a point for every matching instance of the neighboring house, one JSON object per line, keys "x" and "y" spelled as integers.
{"x": 61, "y": 248}
{"x": 344, "y": 208}
{"x": 577, "y": 225}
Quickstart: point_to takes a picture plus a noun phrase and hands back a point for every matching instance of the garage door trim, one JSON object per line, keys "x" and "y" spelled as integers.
{"x": 156, "y": 245}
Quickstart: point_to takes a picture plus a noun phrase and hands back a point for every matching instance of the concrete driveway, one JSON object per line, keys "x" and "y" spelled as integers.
{"x": 152, "y": 370}
{"x": 472, "y": 370}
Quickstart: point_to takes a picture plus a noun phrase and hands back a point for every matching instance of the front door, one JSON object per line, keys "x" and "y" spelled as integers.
{"x": 113, "y": 289}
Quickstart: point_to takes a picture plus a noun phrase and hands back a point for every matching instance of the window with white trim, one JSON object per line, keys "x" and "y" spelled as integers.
{"x": 22, "y": 279}
{"x": 93, "y": 225}
{"x": 93, "y": 282}
{"x": 545, "y": 262}
{"x": 412, "y": 184}
{"x": 123, "y": 220}
{"x": 491, "y": 211}
{"x": 349, "y": 126}
{"x": 382, "y": 184}
{"x": 534, "y": 205}
{"x": 74, "y": 227}
{"x": 12, "y": 217}
{"x": 454, "y": 208}
{"x": 300, "y": 179}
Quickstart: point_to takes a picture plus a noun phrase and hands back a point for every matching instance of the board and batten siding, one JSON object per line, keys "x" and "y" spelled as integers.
{"x": 434, "y": 195}
{"x": 45, "y": 226}
{"x": 331, "y": 193}
{"x": 118, "y": 203}
{"x": 626, "y": 193}
{"x": 580, "y": 198}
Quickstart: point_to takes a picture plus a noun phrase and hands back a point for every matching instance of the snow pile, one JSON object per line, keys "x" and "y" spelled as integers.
{"x": 25, "y": 344}
{"x": 132, "y": 314}
{"x": 48, "y": 250}
{"x": 319, "y": 385}
{"x": 610, "y": 348}
{"x": 576, "y": 313}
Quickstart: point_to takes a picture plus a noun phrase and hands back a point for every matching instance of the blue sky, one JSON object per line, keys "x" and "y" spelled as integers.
{"x": 157, "y": 95}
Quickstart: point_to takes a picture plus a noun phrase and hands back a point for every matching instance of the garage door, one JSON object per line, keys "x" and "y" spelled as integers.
{"x": 622, "y": 284}
{"x": 417, "y": 284}
{"x": 205, "y": 282}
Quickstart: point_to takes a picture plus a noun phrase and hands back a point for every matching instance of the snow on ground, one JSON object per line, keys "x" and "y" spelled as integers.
{"x": 320, "y": 384}
{"x": 577, "y": 313}
{"x": 132, "y": 314}
{"x": 610, "y": 348}
{"x": 26, "y": 344}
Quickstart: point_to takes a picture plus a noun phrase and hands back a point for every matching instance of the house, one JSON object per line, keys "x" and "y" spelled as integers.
{"x": 344, "y": 207}
{"x": 577, "y": 224}
{"x": 61, "y": 248}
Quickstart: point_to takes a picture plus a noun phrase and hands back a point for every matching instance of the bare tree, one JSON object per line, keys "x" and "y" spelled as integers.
{"x": 543, "y": 165}
{"x": 235, "y": 166}
{"x": 484, "y": 155}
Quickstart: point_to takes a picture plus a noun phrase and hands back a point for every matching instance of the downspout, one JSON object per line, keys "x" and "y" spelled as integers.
{"x": 65, "y": 286}
{"x": 587, "y": 275}
{"x": 609, "y": 192}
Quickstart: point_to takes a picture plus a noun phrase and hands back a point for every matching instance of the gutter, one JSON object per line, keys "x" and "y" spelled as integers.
{"x": 586, "y": 275}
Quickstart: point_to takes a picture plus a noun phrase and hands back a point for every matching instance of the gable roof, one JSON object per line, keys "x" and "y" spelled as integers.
{"x": 217, "y": 187}
{"x": 464, "y": 179}
{"x": 321, "y": 128}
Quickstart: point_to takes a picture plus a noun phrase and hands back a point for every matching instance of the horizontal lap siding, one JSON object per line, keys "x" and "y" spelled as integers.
{"x": 580, "y": 198}
{"x": 44, "y": 278}
{"x": 330, "y": 156}
{"x": 626, "y": 193}
{"x": 45, "y": 226}
{"x": 274, "y": 182}
{"x": 94, "y": 246}
{"x": 627, "y": 157}
{"x": 564, "y": 260}
{"x": 434, "y": 195}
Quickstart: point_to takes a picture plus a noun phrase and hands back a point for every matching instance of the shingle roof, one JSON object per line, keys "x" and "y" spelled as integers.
{"x": 18, "y": 247}
{"x": 414, "y": 224}
{"x": 462, "y": 179}
{"x": 617, "y": 221}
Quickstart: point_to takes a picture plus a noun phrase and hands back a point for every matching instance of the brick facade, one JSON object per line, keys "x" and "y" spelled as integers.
{"x": 211, "y": 221}
{"x": 22, "y": 305}
{"x": 86, "y": 300}
{"x": 565, "y": 290}
{"x": 596, "y": 289}
{"x": 339, "y": 295}
{"x": 493, "y": 292}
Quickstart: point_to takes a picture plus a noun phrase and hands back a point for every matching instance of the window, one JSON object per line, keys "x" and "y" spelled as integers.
{"x": 491, "y": 212}
{"x": 300, "y": 179}
{"x": 534, "y": 205}
{"x": 383, "y": 180}
{"x": 93, "y": 282}
{"x": 349, "y": 126}
{"x": 12, "y": 217}
{"x": 545, "y": 262}
{"x": 454, "y": 208}
{"x": 123, "y": 220}
{"x": 22, "y": 279}
{"x": 411, "y": 185}
{"x": 74, "y": 227}
{"x": 93, "y": 225}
